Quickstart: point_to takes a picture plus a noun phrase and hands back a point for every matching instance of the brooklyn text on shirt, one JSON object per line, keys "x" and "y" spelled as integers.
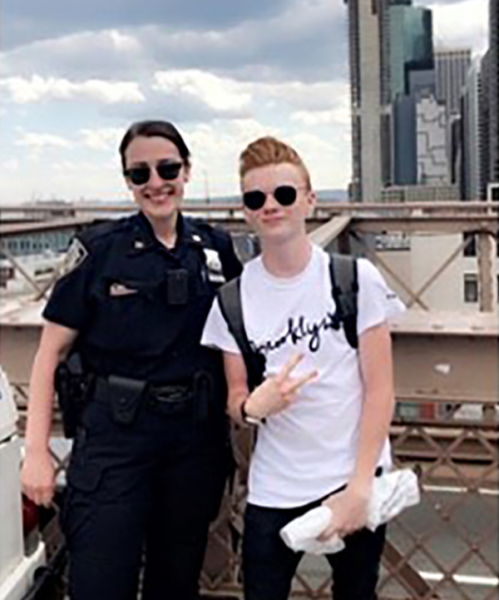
{"x": 299, "y": 329}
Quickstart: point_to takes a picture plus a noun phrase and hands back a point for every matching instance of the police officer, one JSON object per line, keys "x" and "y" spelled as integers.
{"x": 150, "y": 455}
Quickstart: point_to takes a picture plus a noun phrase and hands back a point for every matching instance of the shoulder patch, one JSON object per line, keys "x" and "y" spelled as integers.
{"x": 75, "y": 256}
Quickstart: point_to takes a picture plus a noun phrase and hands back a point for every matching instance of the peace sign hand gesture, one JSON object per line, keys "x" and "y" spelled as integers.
{"x": 277, "y": 391}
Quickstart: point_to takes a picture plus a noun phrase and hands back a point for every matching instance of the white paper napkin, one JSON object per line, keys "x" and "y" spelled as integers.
{"x": 391, "y": 494}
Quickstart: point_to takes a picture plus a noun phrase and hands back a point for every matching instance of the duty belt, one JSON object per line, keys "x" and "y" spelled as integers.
{"x": 126, "y": 394}
{"x": 194, "y": 397}
{"x": 162, "y": 393}
{"x": 169, "y": 393}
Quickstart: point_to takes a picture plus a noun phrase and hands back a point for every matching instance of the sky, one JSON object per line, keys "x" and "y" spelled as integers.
{"x": 74, "y": 75}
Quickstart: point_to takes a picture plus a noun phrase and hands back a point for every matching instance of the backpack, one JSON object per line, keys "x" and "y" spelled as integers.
{"x": 344, "y": 289}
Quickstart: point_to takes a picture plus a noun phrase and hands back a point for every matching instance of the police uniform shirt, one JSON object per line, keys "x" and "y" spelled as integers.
{"x": 138, "y": 306}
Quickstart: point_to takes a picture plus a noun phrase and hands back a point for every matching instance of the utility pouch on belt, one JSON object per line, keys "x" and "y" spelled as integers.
{"x": 125, "y": 397}
{"x": 73, "y": 387}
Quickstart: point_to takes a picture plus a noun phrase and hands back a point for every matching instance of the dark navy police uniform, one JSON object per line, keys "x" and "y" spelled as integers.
{"x": 150, "y": 462}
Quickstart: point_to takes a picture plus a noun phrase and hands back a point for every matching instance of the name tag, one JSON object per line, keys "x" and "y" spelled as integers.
{"x": 118, "y": 289}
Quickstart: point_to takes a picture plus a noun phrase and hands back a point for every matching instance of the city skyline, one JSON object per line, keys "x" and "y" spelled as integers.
{"x": 223, "y": 77}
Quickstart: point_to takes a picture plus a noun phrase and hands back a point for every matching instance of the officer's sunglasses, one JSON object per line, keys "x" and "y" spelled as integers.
{"x": 284, "y": 194}
{"x": 168, "y": 171}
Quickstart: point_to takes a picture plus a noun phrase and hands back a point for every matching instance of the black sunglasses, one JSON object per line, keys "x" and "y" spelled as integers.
{"x": 168, "y": 171}
{"x": 284, "y": 194}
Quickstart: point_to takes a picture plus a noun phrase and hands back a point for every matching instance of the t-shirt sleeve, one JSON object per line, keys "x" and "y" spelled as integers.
{"x": 216, "y": 332}
{"x": 69, "y": 303}
{"x": 376, "y": 301}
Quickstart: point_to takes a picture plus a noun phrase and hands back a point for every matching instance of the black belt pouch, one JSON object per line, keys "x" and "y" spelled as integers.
{"x": 124, "y": 395}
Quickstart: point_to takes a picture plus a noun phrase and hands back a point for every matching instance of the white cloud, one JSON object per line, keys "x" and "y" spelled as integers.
{"x": 216, "y": 148}
{"x": 211, "y": 140}
{"x": 38, "y": 141}
{"x": 219, "y": 93}
{"x": 11, "y": 165}
{"x": 105, "y": 138}
{"x": 325, "y": 157}
{"x": 318, "y": 117}
{"x": 461, "y": 24}
{"x": 23, "y": 90}
{"x": 69, "y": 167}
{"x": 123, "y": 42}
{"x": 69, "y": 179}
{"x": 339, "y": 115}
{"x": 82, "y": 55}
{"x": 319, "y": 96}
{"x": 112, "y": 92}
{"x": 225, "y": 94}
{"x": 300, "y": 16}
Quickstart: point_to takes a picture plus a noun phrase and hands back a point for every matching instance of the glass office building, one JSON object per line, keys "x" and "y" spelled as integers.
{"x": 411, "y": 45}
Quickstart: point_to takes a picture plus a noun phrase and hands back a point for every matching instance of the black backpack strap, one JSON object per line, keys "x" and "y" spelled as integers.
{"x": 345, "y": 287}
{"x": 229, "y": 299}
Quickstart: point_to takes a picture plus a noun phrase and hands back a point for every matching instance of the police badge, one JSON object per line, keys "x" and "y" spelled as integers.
{"x": 214, "y": 266}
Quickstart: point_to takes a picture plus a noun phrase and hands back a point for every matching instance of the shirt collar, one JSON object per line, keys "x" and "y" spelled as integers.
{"x": 145, "y": 239}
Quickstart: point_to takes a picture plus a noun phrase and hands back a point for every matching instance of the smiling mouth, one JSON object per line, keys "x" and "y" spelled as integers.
{"x": 159, "y": 198}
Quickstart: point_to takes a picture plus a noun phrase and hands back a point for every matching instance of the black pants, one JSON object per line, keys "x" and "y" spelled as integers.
{"x": 153, "y": 485}
{"x": 269, "y": 565}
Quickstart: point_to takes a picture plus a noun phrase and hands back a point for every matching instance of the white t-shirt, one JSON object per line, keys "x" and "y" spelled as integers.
{"x": 307, "y": 450}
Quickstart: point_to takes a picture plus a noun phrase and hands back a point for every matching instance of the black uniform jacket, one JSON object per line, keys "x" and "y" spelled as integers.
{"x": 139, "y": 307}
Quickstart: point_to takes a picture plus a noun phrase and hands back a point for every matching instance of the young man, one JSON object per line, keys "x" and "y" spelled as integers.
{"x": 324, "y": 407}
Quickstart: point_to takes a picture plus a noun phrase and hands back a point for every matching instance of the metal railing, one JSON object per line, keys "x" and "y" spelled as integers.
{"x": 445, "y": 548}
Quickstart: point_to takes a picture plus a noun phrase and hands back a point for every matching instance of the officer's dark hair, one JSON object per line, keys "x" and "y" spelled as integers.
{"x": 154, "y": 129}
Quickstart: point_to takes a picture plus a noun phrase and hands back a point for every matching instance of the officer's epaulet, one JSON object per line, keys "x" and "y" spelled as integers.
{"x": 200, "y": 225}
{"x": 211, "y": 236}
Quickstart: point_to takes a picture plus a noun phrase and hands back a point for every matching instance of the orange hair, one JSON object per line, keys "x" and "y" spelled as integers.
{"x": 270, "y": 151}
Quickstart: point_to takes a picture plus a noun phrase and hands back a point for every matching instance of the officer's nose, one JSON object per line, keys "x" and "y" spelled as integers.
{"x": 155, "y": 181}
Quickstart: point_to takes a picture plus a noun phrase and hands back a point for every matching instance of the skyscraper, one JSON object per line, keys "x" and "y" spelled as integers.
{"x": 389, "y": 39}
{"x": 451, "y": 67}
{"x": 431, "y": 127}
{"x": 493, "y": 87}
{"x": 404, "y": 141}
{"x": 411, "y": 77}
{"x": 484, "y": 118}
{"x": 471, "y": 143}
{"x": 411, "y": 45}
{"x": 410, "y": 126}
{"x": 368, "y": 82}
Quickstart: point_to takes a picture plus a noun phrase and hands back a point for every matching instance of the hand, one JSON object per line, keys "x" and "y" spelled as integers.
{"x": 349, "y": 511}
{"x": 277, "y": 391}
{"x": 38, "y": 477}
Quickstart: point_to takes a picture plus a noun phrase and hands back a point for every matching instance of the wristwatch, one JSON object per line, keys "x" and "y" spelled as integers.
{"x": 248, "y": 419}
